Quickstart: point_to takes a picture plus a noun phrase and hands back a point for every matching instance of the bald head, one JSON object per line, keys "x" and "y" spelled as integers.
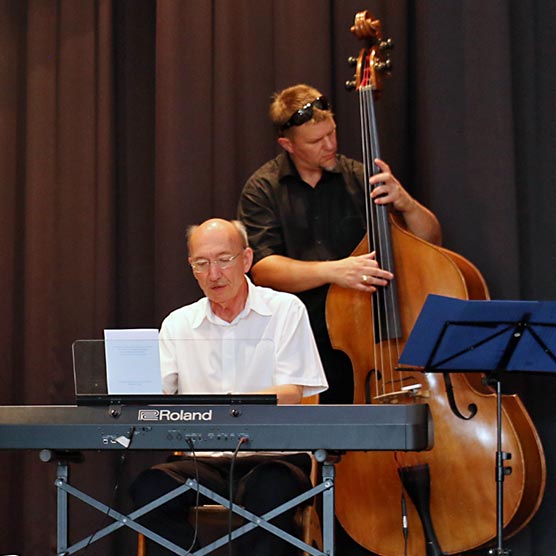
{"x": 233, "y": 230}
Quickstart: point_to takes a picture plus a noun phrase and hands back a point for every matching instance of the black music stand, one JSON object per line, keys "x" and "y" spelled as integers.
{"x": 494, "y": 337}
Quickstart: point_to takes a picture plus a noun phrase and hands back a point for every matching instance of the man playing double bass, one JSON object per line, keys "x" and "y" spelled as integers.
{"x": 304, "y": 212}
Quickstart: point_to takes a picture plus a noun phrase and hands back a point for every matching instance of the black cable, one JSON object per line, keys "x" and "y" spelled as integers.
{"x": 241, "y": 441}
{"x": 197, "y": 495}
{"x": 119, "y": 472}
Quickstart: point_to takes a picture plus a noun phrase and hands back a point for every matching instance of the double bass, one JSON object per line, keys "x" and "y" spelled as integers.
{"x": 441, "y": 501}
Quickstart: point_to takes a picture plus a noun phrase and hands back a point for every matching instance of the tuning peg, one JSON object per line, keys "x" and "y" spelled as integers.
{"x": 384, "y": 67}
{"x": 386, "y": 45}
{"x": 350, "y": 85}
{"x": 352, "y": 61}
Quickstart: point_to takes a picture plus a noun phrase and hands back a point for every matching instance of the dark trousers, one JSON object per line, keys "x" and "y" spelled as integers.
{"x": 260, "y": 483}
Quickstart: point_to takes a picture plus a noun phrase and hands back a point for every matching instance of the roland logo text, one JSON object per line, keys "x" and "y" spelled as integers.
{"x": 174, "y": 415}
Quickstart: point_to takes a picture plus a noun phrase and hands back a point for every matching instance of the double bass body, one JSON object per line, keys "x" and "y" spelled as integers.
{"x": 450, "y": 491}
{"x": 447, "y": 496}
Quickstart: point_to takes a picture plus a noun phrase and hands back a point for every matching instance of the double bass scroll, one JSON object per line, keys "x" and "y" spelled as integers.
{"x": 449, "y": 492}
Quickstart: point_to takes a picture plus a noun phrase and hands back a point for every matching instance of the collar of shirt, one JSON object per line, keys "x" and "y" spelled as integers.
{"x": 286, "y": 167}
{"x": 254, "y": 302}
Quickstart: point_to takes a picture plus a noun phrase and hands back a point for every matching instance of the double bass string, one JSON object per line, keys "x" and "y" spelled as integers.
{"x": 385, "y": 306}
{"x": 363, "y": 114}
{"x": 371, "y": 232}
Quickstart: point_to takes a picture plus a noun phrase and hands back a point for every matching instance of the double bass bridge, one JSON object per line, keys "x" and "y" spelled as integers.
{"x": 401, "y": 389}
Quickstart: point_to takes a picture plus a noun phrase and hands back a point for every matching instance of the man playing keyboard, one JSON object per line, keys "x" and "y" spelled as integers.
{"x": 239, "y": 338}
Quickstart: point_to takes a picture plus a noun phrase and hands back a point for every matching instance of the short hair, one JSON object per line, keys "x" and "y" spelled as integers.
{"x": 286, "y": 102}
{"x": 242, "y": 231}
{"x": 237, "y": 224}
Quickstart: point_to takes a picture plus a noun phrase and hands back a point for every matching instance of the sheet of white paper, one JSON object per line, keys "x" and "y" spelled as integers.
{"x": 132, "y": 361}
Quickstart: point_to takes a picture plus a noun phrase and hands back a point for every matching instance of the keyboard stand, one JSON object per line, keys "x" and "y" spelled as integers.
{"x": 324, "y": 487}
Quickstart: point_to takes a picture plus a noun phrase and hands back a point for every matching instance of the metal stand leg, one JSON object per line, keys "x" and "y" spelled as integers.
{"x": 501, "y": 472}
{"x": 328, "y": 474}
{"x": 62, "y": 473}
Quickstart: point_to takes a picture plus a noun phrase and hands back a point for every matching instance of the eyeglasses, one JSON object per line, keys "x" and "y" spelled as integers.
{"x": 305, "y": 113}
{"x": 202, "y": 266}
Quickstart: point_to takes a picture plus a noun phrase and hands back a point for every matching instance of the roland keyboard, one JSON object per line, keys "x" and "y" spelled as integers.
{"x": 217, "y": 427}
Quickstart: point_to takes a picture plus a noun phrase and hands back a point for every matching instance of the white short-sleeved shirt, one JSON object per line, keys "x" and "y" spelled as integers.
{"x": 269, "y": 343}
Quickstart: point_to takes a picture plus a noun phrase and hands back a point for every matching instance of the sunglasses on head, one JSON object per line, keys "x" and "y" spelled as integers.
{"x": 305, "y": 113}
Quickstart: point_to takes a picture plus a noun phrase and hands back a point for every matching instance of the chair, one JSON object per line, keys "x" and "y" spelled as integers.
{"x": 213, "y": 520}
